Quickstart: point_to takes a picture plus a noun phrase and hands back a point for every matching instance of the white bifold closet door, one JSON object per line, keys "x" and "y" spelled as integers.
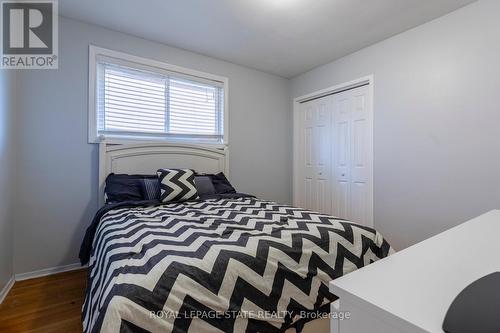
{"x": 352, "y": 156}
{"x": 315, "y": 142}
{"x": 335, "y": 154}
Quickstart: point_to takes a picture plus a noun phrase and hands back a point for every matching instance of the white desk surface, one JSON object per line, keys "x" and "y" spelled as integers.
{"x": 416, "y": 286}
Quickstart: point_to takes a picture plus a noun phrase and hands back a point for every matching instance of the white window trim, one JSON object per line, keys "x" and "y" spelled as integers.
{"x": 95, "y": 51}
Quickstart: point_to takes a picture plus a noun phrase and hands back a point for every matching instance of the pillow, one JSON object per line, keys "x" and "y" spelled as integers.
{"x": 177, "y": 185}
{"x": 204, "y": 185}
{"x": 221, "y": 184}
{"x": 151, "y": 188}
{"x": 124, "y": 187}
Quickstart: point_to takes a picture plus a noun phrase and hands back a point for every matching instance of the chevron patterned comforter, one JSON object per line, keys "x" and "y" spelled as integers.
{"x": 220, "y": 265}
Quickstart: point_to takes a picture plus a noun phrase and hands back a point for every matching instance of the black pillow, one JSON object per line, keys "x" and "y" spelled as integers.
{"x": 124, "y": 187}
{"x": 221, "y": 184}
{"x": 204, "y": 185}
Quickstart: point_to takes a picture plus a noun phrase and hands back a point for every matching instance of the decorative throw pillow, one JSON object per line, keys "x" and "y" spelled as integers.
{"x": 177, "y": 185}
{"x": 123, "y": 187}
{"x": 221, "y": 184}
{"x": 204, "y": 185}
{"x": 151, "y": 188}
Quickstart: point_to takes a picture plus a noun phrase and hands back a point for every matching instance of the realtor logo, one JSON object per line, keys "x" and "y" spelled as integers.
{"x": 29, "y": 34}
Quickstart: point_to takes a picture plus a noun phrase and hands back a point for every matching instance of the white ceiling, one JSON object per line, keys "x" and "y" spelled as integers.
{"x": 283, "y": 37}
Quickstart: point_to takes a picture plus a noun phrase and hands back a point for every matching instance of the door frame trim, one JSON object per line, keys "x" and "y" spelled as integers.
{"x": 365, "y": 80}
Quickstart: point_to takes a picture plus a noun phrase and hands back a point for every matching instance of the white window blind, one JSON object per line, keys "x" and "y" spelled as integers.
{"x": 142, "y": 102}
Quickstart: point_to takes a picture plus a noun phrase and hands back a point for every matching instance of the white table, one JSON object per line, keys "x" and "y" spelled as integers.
{"x": 411, "y": 290}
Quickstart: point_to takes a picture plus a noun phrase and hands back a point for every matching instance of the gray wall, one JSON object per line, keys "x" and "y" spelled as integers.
{"x": 437, "y": 120}
{"x": 56, "y": 195}
{"x": 7, "y": 107}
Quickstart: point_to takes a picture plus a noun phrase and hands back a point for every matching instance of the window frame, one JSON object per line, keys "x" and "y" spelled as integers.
{"x": 161, "y": 67}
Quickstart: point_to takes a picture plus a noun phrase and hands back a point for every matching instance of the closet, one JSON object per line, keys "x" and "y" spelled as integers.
{"x": 334, "y": 155}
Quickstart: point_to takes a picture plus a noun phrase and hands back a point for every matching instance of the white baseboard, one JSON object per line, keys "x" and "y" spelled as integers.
{"x": 47, "y": 271}
{"x": 36, "y": 274}
{"x": 6, "y": 289}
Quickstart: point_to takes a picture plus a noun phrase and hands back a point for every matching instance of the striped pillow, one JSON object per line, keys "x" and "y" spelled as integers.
{"x": 177, "y": 185}
{"x": 151, "y": 189}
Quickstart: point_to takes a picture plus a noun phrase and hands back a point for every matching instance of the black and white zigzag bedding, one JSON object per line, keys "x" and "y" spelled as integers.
{"x": 219, "y": 265}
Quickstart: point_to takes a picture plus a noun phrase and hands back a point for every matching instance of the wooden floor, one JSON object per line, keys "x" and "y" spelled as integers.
{"x": 47, "y": 304}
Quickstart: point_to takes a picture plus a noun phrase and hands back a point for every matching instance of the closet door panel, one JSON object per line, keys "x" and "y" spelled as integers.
{"x": 308, "y": 153}
{"x": 316, "y": 142}
{"x": 308, "y": 193}
{"x": 342, "y": 156}
{"x": 341, "y": 199}
{"x": 361, "y": 158}
{"x": 352, "y": 149}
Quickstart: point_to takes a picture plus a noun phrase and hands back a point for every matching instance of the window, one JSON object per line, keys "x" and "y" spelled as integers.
{"x": 139, "y": 99}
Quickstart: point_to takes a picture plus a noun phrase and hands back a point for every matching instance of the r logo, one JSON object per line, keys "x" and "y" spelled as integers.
{"x": 27, "y": 27}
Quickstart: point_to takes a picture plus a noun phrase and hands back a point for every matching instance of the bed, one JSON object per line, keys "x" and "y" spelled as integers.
{"x": 226, "y": 263}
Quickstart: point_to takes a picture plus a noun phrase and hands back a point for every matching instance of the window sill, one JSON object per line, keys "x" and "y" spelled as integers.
{"x": 130, "y": 140}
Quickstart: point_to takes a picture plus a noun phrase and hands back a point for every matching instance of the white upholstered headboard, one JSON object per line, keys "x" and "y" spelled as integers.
{"x": 147, "y": 158}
